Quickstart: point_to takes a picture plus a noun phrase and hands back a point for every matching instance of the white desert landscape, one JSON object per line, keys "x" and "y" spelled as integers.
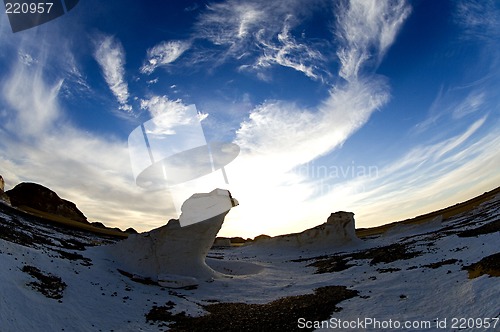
{"x": 412, "y": 275}
{"x": 256, "y": 165}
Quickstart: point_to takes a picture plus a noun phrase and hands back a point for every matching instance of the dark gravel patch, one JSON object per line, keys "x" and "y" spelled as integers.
{"x": 279, "y": 315}
{"x": 488, "y": 265}
{"x": 14, "y": 231}
{"x": 31, "y": 231}
{"x": 488, "y": 228}
{"x": 387, "y": 254}
{"x": 139, "y": 279}
{"x": 331, "y": 264}
{"x": 439, "y": 264}
{"x": 72, "y": 244}
{"x": 388, "y": 270}
{"x": 49, "y": 285}
{"x": 73, "y": 256}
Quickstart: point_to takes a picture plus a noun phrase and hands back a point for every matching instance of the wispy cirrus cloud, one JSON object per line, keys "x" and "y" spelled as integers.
{"x": 429, "y": 176}
{"x": 259, "y": 34}
{"x": 452, "y": 106}
{"x": 480, "y": 19}
{"x": 163, "y": 54}
{"x": 231, "y": 23}
{"x": 470, "y": 104}
{"x": 279, "y": 136}
{"x": 110, "y": 55}
{"x": 367, "y": 29}
{"x": 433, "y": 152}
{"x": 444, "y": 167}
{"x": 36, "y": 96}
{"x": 40, "y": 144}
{"x": 168, "y": 114}
{"x": 288, "y": 135}
{"x": 348, "y": 106}
{"x": 287, "y": 52}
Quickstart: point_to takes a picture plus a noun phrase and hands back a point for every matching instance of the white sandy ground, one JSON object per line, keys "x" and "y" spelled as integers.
{"x": 99, "y": 298}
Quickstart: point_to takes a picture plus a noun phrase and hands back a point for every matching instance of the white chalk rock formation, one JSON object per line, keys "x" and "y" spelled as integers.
{"x": 339, "y": 230}
{"x": 174, "y": 255}
{"x": 342, "y": 225}
{"x": 200, "y": 207}
{"x": 4, "y": 198}
{"x": 222, "y": 242}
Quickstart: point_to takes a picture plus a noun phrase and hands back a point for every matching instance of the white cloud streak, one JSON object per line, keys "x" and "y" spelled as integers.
{"x": 480, "y": 19}
{"x": 366, "y": 25}
{"x": 285, "y": 134}
{"x": 312, "y": 133}
{"x": 365, "y": 29}
{"x": 229, "y": 23}
{"x": 471, "y": 104}
{"x": 428, "y": 177}
{"x": 451, "y": 105}
{"x": 288, "y": 53}
{"x": 163, "y": 54}
{"x": 110, "y": 55}
{"x": 434, "y": 152}
{"x": 168, "y": 114}
{"x": 279, "y": 136}
{"x": 35, "y": 95}
{"x": 39, "y": 144}
{"x": 259, "y": 34}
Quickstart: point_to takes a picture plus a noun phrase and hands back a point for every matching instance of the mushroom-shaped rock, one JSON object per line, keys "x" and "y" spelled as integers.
{"x": 175, "y": 252}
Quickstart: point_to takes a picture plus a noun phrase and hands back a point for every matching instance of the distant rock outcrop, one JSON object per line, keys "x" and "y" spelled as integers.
{"x": 239, "y": 240}
{"x": 174, "y": 255}
{"x": 222, "y": 242}
{"x": 262, "y": 237}
{"x": 338, "y": 230}
{"x": 3, "y": 196}
{"x": 130, "y": 230}
{"x": 98, "y": 224}
{"x": 38, "y": 197}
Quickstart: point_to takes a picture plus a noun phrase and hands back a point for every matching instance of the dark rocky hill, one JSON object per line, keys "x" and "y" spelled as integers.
{"x": 41, "y": 198}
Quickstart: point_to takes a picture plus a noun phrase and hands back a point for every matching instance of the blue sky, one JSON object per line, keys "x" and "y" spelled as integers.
{"x": 388, "y": 109}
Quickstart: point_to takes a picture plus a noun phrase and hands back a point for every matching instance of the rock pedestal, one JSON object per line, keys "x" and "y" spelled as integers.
{"x": 174, "y": 253}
